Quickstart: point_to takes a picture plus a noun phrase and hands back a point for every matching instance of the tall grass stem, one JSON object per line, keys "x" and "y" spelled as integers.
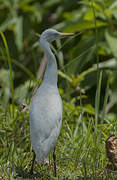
{"x": 10, "y": 70}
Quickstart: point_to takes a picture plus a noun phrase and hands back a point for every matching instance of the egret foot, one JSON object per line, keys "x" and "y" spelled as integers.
{"x": 33, "y": 160}
{"x": 54, "y": 158}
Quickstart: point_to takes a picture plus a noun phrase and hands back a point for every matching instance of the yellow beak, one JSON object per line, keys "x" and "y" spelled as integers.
{"x": 66, "y": 34}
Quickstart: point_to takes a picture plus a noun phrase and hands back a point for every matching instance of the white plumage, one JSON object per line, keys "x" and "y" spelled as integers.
{"x": 46, "y": 107}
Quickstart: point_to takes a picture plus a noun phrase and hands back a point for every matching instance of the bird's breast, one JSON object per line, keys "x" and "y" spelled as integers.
{"x": 47, "y": 100}
{"x": 46, "y": 111}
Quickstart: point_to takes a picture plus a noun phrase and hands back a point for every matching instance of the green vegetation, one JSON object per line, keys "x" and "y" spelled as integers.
{"x": 87, "y": 81}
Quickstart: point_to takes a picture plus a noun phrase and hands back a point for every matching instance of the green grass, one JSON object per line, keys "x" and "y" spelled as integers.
{"x": 78, "y": 154}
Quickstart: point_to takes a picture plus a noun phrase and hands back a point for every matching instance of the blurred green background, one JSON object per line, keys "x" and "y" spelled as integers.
{"x": 87, "y": 68}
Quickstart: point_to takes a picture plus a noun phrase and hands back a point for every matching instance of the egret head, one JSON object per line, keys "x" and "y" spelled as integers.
{"x": 50, "y": 35}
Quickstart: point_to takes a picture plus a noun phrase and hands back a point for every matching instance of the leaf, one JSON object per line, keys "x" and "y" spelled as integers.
{"x": 19, "y": 33}
{"x": 113, "y": 9}
{"x": 22, "y": 91}
{"x": 88, "y": 71}
{"x": 50, "y": 3}
{"x": 112, "y": 42}
{"x": 25, "y": 2}
{"x": 5, "y": 84}
{"x": 4, "y": 77}
{"x": 7, "y": 24}
{"x": 114, "y": 98}
{"x": 111, "y": 63}
{"x": 88, "y": 109}
{"x": 97, "y": 5}
{"x": 113, "y": 5}
{"x": 84, "y": 25}
{"x": 63, "y": 75}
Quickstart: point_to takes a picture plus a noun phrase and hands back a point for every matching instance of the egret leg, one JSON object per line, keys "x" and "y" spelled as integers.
{"x": 54, "y": 158}
{"x": 33, "y": 160}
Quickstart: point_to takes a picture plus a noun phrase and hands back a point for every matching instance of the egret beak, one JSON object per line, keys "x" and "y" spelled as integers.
{"x": 66, "y": 34}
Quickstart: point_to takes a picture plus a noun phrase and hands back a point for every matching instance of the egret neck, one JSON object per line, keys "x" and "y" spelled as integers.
{"x": 50, "y": 76}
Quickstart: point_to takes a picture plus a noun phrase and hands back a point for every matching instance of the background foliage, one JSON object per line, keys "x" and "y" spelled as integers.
{"x": 87, "y": 66}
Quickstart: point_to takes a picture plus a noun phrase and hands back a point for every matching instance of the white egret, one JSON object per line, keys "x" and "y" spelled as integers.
{"x": 46, "y": 107}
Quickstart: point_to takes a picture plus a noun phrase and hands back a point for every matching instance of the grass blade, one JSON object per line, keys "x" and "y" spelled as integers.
{"x": 10, "y": 70}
